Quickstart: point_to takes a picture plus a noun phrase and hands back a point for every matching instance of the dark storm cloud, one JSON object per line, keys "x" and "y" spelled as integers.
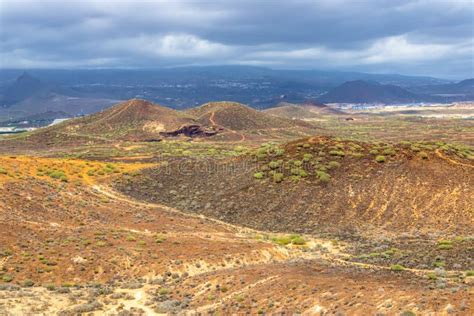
{"x": 424, "y": 37}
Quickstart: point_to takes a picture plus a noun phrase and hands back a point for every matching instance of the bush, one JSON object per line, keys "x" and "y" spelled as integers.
{"x": 338, "y": 153}
{"x": 163, "y": 291}
{"x": 397, "y": 267}
{"x": 323, "y": 176}
{"x": 28, "y": 283}
{"x": 380, "y": 158}
{"x": 273, "y": 164}
{"x": 3, "y": 171}
{"x": 307, "y": 157}
{"x": 374, "y": 152}
{"x": 445, "y": 247}
{"x": 298, "y": 240}
{"x": 333, "y": 164}
{"x": 389, "y": 151}
{"x": 258, "y": 175}
{"x": 303, "y": 173}
{"x": 7, "y": 278}
{"x": 282, "y": 240}
{"x": 423, "y": 155}
{"x": 295, "y": 171}
{"x": 278, "y": 177}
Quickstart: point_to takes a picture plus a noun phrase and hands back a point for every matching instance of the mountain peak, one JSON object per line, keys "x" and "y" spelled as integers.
{"x": 24, "y": 87}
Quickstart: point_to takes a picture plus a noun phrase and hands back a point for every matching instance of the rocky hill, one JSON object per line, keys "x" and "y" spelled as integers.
{"x": 238, "y": 117}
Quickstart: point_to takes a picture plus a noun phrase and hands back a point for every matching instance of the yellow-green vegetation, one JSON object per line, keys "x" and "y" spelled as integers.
{"x": 380, "y": 158}
{"x": 289, "y": 239}
{"x": 73, "y": 171}
{"x": 159, "y": 238}
{"x": 445, "y": 244}
{"x": 7, "y": 278}
{"x": 423, "y": 155}
{"x": 397, "y": 267}
{"x": 432, "y": 276}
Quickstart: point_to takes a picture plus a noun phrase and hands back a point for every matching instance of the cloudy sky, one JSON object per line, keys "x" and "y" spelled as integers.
{"x": 385, "y": 36}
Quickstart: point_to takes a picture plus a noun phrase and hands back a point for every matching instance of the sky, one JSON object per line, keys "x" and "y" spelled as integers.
{"x": 434, "y": 38}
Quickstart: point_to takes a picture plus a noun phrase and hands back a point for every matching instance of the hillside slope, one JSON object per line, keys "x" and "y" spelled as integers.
{"x": 238, "y": 117}
{"x": 131, "y": 120}
{"x": 325, "y": 184}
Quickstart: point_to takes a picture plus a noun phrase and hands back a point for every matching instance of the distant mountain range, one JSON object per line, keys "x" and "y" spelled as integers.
{"x": 29, "y": 98}
{"x": 80, "y": 92}
{"x": 360, "y": 91}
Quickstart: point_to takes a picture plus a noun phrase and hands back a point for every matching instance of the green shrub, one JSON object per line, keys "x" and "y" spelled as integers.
{"x": 333, "y": 164}
{"x": 295, "y": 171}
{"x": 130, "y": 238}
{"x": 28, "y": 283}
{"x": 389, "y": 151}
{"x": 258, "y": 175}
{"x": 163, "y": 291}
{"x": 159, "y": 239}
{"x": 439, "y": 264}
{"x": 380, "y": 158}
{"x": 303, "y": 173}
{"x": 278, "y": 177}
{"x": 273, "y": 164}
{"x": 307, "y": 157}
{"x": 374, "y": 152}
{"x": 445, "y": 247}
{"x": 298, "y": 240}
{"x": 338, "y": 153}
{"x": 7, "y": 278}
{"x": 470, "y": 273}
{"x": 3, "y": 171}
{"x": 431, "y": 276}
{"x": 397, "y": 267}
{"x": 323, "y": 176}
{"x": 282, "y": 240}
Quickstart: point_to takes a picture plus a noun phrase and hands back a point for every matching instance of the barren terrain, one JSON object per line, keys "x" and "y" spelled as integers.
{"x": 261, "y": 221}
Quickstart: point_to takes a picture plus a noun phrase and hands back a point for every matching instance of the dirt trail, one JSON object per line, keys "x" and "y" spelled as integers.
{"x": 454, "y": 162}
{"x": 214, "y": 124}
{"x": 115, "y": 195}
{"x": 209, "y": 307}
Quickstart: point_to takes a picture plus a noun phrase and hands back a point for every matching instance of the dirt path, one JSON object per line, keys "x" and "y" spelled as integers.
{"x": 452, "y": 161}
{"x": 115, "y": 195}
{"x": 214, "y": 124}
{"x": 209, "y": 307}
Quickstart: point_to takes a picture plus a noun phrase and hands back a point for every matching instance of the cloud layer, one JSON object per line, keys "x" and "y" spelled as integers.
{"x": 412, "y": 37}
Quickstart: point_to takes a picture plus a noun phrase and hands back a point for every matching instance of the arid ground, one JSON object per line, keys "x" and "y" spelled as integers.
{"x": 333, "y": 216}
